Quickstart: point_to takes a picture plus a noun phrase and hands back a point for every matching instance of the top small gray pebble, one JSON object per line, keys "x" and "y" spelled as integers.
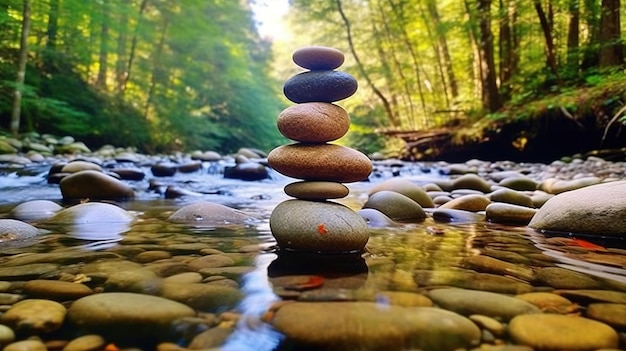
{"x": 318, "y": 58}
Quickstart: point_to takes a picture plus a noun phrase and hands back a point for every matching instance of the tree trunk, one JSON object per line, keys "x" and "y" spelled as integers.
{"x": 446, "y": 59}
{"x": 21, "y": 70}
{"x": 120, "y": 63}
{"x": 101, "y": 80}
{"x": 49, "y": 60}
{"x": 573, "y": 34}
{"x": 490, "y": 94}
{"x": 414, "y": 57}
{"x": 546, "y": 27}
{"x": 407, "y": 95}
{"x": 391, "y": 117}
{"x": 476, "y": 62}
{"x": 157, "y": 69}
{"x": 611, "y": 47}
{"x": 133, "y": 46}
{"x": 507, "y": 10}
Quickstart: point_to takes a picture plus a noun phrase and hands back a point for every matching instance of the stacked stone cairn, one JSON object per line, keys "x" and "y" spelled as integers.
{"x": 310, "y": 222}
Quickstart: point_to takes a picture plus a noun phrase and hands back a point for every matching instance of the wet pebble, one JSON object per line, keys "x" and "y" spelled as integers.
{"x": 471, "y": 181}
{"x": 124, "y": 316}
{"x": 561, "y": 278}
{"x": 91, "y": 184}
{"x": 511, "y": 197}
{"x": 396, "y": 206}
{"x": 213, "y": 337}
{"x": 7, "y": 335}
{"x": 211, "y": 261}
{"x": 208, "y": 213}
{"x": 26, "y": 345}
{"x": 406, "y": 188}
{"x": 91, "y": 342}
{"x": 595, "y": 210}
{"x": 469, "y": 302}
{"x": 549, "y": 302}
{"x": 56, "y": 290}
{"x": 327, "y": 227}
{"x": 508, "y": 213}
{"x": 367, "y": 326}
{"x": 612, "y": 314}
{"x": 204, "y": 297}
{"x": 470, "y": 202}
{"x": 35, "y": 210}
{"x": 12, "y": 230}
{"x": 559, "y": 332}
{"x": 35, "y": 316}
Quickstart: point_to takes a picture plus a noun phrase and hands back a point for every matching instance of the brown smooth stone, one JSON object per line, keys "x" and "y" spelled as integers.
{"x": 313, "y": 122}
{"x": 318, "y": 57}
{"x": 316, "y": 190}
{"x": 326, "y": 162}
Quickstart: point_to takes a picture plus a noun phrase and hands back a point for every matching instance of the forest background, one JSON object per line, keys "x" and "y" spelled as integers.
{"x": 163, "y": 75}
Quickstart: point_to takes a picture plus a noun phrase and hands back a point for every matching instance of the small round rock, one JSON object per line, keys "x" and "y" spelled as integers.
{"x": 318, "y": 57}
{"x": 316, "y": 190}
{"x": 313, "y": 122}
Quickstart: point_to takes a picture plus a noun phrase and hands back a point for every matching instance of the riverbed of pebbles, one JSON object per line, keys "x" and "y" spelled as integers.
{"x": 478, "y": 255}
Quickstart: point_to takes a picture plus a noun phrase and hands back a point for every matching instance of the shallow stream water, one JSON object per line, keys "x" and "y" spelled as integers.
{"x": 413, "y": 257}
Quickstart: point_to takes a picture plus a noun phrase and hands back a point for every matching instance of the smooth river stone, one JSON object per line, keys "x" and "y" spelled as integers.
{"x": 396, "y": 206}
{"x": 596, "y": 209}
{"x": 56, "y": 289}
{"x": 326, "y": 162}
{"x": 313, "y": 122}
{"x": 320, "y": 86}
{"x": 35, "y": 210}
{"x": 406, "y": 188}
{"x": 560, "y": 332}
{"x": 318, "y": 226}
{"x": 209, "y": 213}
{"x": 318, "y": 57}
{"x": 500, "y": 212}
{"x": 124, "y": 316}
{"x": 14, "y": 230}
{"x": 372, "y": 326}
{"x": 469, "y": 302}
{"x": 35, "y": 316}
{"x": 91, "y": 184}
{"x": 316, "y": 190}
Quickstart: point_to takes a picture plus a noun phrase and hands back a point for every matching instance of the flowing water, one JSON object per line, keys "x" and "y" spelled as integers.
{"x": 414, "y": 257}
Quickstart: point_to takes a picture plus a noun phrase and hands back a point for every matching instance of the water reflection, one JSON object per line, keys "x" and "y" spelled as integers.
{"x": 582, "y": 256}
{"x": 251, "y": 333}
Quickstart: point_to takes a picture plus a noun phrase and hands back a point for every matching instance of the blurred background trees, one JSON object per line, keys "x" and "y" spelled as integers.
{"x": 165, "y": 75}
{"x": 155, "y": 74}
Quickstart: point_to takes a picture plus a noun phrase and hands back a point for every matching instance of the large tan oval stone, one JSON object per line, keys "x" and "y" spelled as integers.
{"x": 313, "y": 122}
{"x": 327, "y": 162}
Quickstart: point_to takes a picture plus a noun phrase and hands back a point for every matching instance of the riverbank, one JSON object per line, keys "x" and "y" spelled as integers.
{"x": 461, "y": 271}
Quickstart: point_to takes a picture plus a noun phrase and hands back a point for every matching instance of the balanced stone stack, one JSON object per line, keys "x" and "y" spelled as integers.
{"x": 311, "y": 222}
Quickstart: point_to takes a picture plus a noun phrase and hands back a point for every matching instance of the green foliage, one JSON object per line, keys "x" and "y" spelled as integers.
{"x": 159, "y": 76}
